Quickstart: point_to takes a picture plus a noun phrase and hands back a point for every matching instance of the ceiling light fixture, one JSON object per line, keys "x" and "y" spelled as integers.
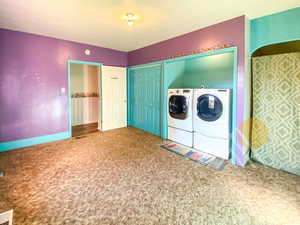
{"x": 130, "y": 17}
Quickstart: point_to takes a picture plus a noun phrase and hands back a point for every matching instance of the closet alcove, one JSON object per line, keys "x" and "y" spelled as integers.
{"x": 276, "y": 106}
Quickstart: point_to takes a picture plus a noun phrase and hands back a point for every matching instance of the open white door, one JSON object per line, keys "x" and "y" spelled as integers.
{"x": 114, "y": 97}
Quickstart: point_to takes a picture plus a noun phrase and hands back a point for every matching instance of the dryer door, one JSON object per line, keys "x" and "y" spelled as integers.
{"x": 178, "y": 107}
{"x": 209, "y": 107}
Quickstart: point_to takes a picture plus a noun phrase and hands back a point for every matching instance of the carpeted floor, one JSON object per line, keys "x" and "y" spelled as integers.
{"x": 123, "y": 177}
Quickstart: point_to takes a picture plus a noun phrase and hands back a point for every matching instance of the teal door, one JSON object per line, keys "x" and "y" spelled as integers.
{"x": 144, "y": 99}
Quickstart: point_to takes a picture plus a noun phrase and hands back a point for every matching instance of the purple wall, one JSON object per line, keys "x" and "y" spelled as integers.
{"x": 231, "y": 31}
{"x": 33, "y": 69}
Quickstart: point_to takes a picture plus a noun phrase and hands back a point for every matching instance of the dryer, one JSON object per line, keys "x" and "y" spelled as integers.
{"x": 180, "y": 116}
{"x": 211, "y": 121}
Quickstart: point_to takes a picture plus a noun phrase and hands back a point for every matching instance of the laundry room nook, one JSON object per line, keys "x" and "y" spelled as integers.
{"x": 208, "y": 82}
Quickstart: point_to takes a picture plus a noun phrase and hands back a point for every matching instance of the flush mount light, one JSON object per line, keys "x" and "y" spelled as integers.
{"x": 130, "y": 17}
{"x": 87, "y": 52}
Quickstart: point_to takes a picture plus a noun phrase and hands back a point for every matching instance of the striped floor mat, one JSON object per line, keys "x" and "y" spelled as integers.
{"x": 208, "y": 160}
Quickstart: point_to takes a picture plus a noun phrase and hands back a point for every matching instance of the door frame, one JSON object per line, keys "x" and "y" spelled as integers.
{"x": 70, "y": 61}
{"x": 125, "y": 92}
{"x": 129, "y": 91}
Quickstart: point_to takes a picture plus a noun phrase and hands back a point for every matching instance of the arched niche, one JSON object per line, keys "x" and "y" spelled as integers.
{"x": 280, "y": 48}
{"x": 275, "y": 98}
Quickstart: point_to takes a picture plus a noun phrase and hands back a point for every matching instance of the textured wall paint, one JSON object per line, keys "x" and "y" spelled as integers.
{"x": 275, "y": 28}
{"x": 231, "y": 31}
{"x": 33, "y": 69}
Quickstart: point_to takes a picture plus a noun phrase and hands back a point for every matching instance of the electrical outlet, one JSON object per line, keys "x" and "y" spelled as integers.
{"x": 6, "y": 218}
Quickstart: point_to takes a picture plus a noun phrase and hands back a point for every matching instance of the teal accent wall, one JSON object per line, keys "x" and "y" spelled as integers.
{"x": 175, "y": 74}
{"x": 33, "y": 141}
{"x": 215, "y": 71}
{"x": 275, "y": 28}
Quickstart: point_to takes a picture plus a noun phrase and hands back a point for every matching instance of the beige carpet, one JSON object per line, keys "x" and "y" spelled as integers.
{"x": 123, "y": 177}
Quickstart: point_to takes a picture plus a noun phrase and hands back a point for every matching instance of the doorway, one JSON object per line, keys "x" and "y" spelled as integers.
{"x": 97, "y": 97}
{"x": 85, "y": 93}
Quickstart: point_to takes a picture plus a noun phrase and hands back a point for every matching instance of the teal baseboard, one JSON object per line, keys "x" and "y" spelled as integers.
{"x": 5, "y": 146}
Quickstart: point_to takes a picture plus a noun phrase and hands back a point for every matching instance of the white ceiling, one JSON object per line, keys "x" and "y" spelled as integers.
{"x": 99, "y": 22}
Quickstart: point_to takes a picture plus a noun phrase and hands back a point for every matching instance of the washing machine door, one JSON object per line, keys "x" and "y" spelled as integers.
{"x": 178, "y": 107}
{"x": 209, "y": 107}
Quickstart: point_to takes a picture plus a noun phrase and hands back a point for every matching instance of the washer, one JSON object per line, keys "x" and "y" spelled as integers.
{"x": 211, "y": 120}
{"x": 180, "y": 116}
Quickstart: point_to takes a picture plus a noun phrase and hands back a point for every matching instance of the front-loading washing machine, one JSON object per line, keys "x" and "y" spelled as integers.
{"x": 211, "y": 121}
{"x": 180, "y": 116}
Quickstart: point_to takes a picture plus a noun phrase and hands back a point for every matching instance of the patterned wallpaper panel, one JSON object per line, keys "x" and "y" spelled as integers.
{"x": 276, "y": 104}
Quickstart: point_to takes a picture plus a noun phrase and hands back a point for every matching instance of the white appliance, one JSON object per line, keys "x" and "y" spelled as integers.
{"x": 180, "y": 116}
{"x": 211, "y": 121}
